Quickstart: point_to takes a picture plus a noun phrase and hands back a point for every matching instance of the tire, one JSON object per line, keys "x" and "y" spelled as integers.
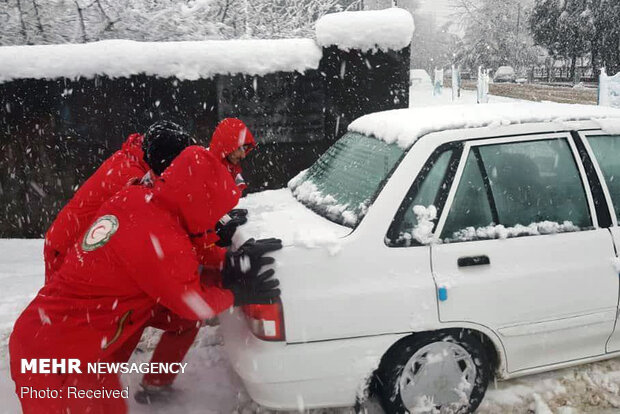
{"x": 422, "y": 372}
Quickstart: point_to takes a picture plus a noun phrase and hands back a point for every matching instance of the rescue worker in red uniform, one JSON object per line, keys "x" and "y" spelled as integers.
{"x": 231, "y": 142}
{"x": 139, "y": 154}
{"x": 136, "y": 255}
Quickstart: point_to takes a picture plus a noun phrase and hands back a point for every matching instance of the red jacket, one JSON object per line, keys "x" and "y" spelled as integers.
{"x": 121, "y": 168}
{"x": 229, "y": 135}
{"x": 137, "y": 254}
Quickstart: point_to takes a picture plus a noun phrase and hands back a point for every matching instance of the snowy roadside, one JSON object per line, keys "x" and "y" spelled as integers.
{"x": 422, "y": 95}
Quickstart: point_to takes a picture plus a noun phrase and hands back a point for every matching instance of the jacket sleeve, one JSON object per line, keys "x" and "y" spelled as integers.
{"x": 165, "y": 267}
{"x": 209, "y": 254}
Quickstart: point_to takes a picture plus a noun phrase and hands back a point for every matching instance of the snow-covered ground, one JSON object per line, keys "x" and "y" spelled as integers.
{"x": 422, "y": 95}
{"x": 211, "y": 386}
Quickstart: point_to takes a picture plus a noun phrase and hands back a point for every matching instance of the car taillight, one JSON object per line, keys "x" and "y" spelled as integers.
{"x": 266, "y": 321}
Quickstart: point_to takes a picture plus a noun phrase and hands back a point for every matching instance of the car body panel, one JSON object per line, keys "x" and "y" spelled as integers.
{"x": 310, "y": 375}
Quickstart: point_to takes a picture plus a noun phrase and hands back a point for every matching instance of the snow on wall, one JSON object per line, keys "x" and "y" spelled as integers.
{"x": 365, "y": 30}
{"x": 183, "y": 60}
{"x": 405, "y": 126}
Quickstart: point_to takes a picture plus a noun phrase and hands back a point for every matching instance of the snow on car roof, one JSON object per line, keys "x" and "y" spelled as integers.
{"x": 183, "y": 60}
{"x": 373, "y": 29}
{"x": 405, "y": 126}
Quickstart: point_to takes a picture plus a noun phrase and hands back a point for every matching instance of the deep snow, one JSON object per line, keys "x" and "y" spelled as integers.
{"x": 211, "y": 386}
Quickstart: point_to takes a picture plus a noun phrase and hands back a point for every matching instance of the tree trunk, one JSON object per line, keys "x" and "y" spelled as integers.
{"x": 573, "y": 65}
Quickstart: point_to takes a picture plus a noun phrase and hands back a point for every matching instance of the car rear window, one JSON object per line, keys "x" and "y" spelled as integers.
{"x": 344, "y": 181}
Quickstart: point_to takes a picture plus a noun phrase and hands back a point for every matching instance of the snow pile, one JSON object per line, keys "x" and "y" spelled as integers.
{"x": 423, "y": 230}
{"x": 308, "y": 193}
{"x": 276, "y": 213}
{"x": 183, "y": 60}
{"x": 366, "y": 30}
{"x": 405, "y": 126}
{"x": 501, "y": 232}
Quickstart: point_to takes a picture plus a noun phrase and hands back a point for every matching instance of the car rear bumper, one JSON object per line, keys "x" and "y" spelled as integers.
{"x": 301, "y": 376}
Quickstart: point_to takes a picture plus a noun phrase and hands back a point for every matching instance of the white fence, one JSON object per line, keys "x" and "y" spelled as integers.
{"x": 438, "y": 82}
{"x": 483, "y": 85}
{"x": 609, "y": 90}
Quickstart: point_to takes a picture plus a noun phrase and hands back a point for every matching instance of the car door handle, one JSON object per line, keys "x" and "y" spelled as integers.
{"x": 473, "y": 261}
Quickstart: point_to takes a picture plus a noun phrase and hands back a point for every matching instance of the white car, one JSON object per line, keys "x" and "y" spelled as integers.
{"x": 431, "y": 249}
{"x": 504, "y": 74}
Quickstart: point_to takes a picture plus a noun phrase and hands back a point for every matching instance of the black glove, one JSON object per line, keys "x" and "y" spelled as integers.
{"x": 225, "y": 228}
{"x": 238, "y": 212}
{"x": 261, "y": 289}
{"x": 246, "y": 262}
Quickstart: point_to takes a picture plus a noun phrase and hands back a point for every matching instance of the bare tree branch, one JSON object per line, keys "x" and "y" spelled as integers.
{"x": 22, "y": 22}
{"x": 82, "y": 25}
{"x": 39, "y": 25}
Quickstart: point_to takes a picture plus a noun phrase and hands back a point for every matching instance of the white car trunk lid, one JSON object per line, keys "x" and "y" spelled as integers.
{"x": 276, "y": 213}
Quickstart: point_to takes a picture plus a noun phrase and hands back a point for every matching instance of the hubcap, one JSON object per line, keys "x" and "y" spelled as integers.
{"x": 440, "y": 376}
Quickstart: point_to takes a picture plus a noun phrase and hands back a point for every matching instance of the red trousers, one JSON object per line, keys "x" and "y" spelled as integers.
{"x": 179, "y": 335}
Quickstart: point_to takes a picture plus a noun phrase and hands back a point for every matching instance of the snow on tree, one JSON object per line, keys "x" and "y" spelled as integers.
{"x": 563, "y": 28}
{"x": 79, "y": 21}
{"x": 496, "y": 34}
{"x": 574, "y": 28}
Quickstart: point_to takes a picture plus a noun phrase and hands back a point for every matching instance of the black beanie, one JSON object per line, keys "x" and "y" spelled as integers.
{"x": 163, "y": 141}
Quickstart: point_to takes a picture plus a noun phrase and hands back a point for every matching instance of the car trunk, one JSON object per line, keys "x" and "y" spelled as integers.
{"x": 276, "y": 213}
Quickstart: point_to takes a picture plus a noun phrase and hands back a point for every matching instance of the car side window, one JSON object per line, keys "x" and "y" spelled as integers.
{"x": 531, "y": 188}
{"x": 606, "y": 149}
{"x": 471, "y": 208}
{"x": 419, "y": 203}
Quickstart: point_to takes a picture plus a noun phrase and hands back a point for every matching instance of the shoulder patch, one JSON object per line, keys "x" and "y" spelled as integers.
{"x": 99, "y": 232}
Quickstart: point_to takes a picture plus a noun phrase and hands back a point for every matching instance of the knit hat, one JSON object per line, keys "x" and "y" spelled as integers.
{"x": 163, "y": 141}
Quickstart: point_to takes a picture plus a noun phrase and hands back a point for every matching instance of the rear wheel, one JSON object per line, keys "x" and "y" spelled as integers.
{"x": 445, "y": 372}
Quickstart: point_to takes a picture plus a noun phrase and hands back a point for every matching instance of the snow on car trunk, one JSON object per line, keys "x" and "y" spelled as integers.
{"x": 276, "y": 213}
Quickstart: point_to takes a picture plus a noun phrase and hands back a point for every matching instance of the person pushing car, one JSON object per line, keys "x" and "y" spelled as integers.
{"x": 136, "y": 255}
{"x": 139, "y": 155}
